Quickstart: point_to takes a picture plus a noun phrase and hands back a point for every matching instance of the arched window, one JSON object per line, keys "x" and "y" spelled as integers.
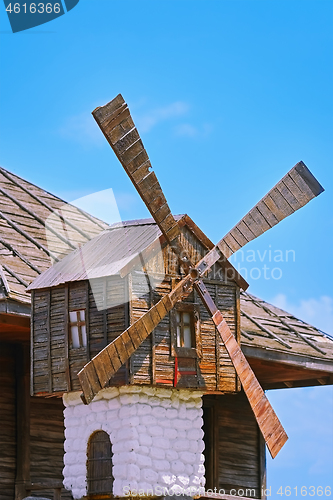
{"x": 99, "y": 465}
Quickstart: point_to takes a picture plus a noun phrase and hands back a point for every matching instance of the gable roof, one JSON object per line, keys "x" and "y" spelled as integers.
{"x": 116, "y": 250}
{"x": 36, "y": 229}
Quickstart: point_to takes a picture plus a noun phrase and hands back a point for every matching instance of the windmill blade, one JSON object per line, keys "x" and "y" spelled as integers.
{"x": 116, "y": 123}
{"x": 292, "y": 192}
{"x": 97, "y": 372}
{"x": 267, "y": 420}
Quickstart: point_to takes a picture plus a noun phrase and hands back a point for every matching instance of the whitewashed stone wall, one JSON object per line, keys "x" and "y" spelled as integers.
{"x": 156, "y": 438}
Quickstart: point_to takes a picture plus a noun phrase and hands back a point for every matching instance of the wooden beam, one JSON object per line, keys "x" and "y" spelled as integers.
{"x": 262, "y": 466}
{"x": 22, "y": 421}
{"x": 289, "y": 358}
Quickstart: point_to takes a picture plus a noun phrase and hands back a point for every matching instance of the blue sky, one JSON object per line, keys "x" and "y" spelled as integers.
{"x": 228, "y": 95}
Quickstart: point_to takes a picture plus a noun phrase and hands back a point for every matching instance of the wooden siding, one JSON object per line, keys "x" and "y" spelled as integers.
{"x": 152, "y": 362}
{"x": 52, "y": 351}
{"x": 47, "y": 442}
{"x": 113, "y": 303}
{"x": 7, "y": 419}
{"x": 234, "y": 452}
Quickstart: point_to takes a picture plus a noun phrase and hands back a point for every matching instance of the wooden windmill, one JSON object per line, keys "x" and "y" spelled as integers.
{"x": 293, "y": 191}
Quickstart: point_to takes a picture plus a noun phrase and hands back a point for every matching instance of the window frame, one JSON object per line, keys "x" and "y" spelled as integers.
{"x": 79, "y": 323}
{"x": 186, "y": 352}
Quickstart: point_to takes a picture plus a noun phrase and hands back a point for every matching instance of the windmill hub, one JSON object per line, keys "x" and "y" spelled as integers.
{"x": 194, "y": 273}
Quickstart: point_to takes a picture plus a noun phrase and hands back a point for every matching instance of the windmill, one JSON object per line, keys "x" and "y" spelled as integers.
{"x": 292, "y": 192}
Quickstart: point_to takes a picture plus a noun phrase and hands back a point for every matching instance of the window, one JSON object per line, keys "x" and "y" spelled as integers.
{"x": 185, "y": 330}
{"x": 99, "y": 466}
{"x": 77, "y": 323}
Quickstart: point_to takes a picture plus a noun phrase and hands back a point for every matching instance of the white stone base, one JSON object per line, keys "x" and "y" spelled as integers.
{"x": 156, "y": 437}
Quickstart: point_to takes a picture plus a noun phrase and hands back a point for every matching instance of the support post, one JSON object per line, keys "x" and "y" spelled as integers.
{"x": 22, "y": 421}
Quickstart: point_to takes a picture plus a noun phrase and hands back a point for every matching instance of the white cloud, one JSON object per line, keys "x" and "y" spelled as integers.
{"x": 83, "y": 129}
{"x": 188, "y": 130}
{"x": 316, "y": 311}
{"x": 149, "y": 120}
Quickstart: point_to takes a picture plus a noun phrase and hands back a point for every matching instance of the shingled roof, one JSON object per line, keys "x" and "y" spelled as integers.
{"x": 36, "y": 230}
{"x": 265, "y": 329}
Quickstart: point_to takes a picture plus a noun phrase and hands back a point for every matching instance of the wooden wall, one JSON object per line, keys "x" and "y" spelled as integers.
{"x": 51, "y": 349}
{"x": 47, "y": 442}
{"x": 46, "y": 430}
{"x": 235, "y": 454}
{"x": 152, "y": 362}
{"x": 7, "y": 421}
{"x": 112, "y": 304}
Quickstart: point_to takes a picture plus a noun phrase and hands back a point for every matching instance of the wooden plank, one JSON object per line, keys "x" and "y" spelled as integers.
{"x": 255, "y": 228}
{"x": 307, "y": 177}
{"x": 103, "y": 367}
{"x": 259, "y": 220}
{"x": 239, "y": 236}
{"x": 105, "y": 319}
{"x": 92, "y": 377}
{"x": 141, "y": 329}
{"x": 126, "y": 141}
{"x": 148, "y": 322}
{"x": 121, "y": 349}
{"x": 114, "y": 357}
{"x": 281, "y": 202}
{"x": 87, "y": 316}
{"x": 32, "y": 344}
{"x": 141, "y": 172}
{"x": 232, "y": 242}
{"x": 173, "y": 233}
{"x": 270, "y": 204}
{"x": 157, "y": 199}
{"x": 245, "y": 230}
{"x": 136, "y": 163}
{"x": 104, "y": 113}
{"x": 127, "y": 340}
{"x": 22, "y": 419}
{"x": 162, "y": 213}
{"x": 113, "y": 126}
{"x": 66, "y": 339}
{"x": 147, "y": 183}
{"x": 301, "y": 197}
{"x": 132, "y": 152}
{"x": 135, "y": 338}
{"x": 48, "y": 329}
{"x": 86, "y": 386}
{"x": 288, "y": 195}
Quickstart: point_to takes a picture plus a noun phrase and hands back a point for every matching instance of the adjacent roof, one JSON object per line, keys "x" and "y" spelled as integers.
{"x": 36, "y": 229}
{"x": 271, "y": 334}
